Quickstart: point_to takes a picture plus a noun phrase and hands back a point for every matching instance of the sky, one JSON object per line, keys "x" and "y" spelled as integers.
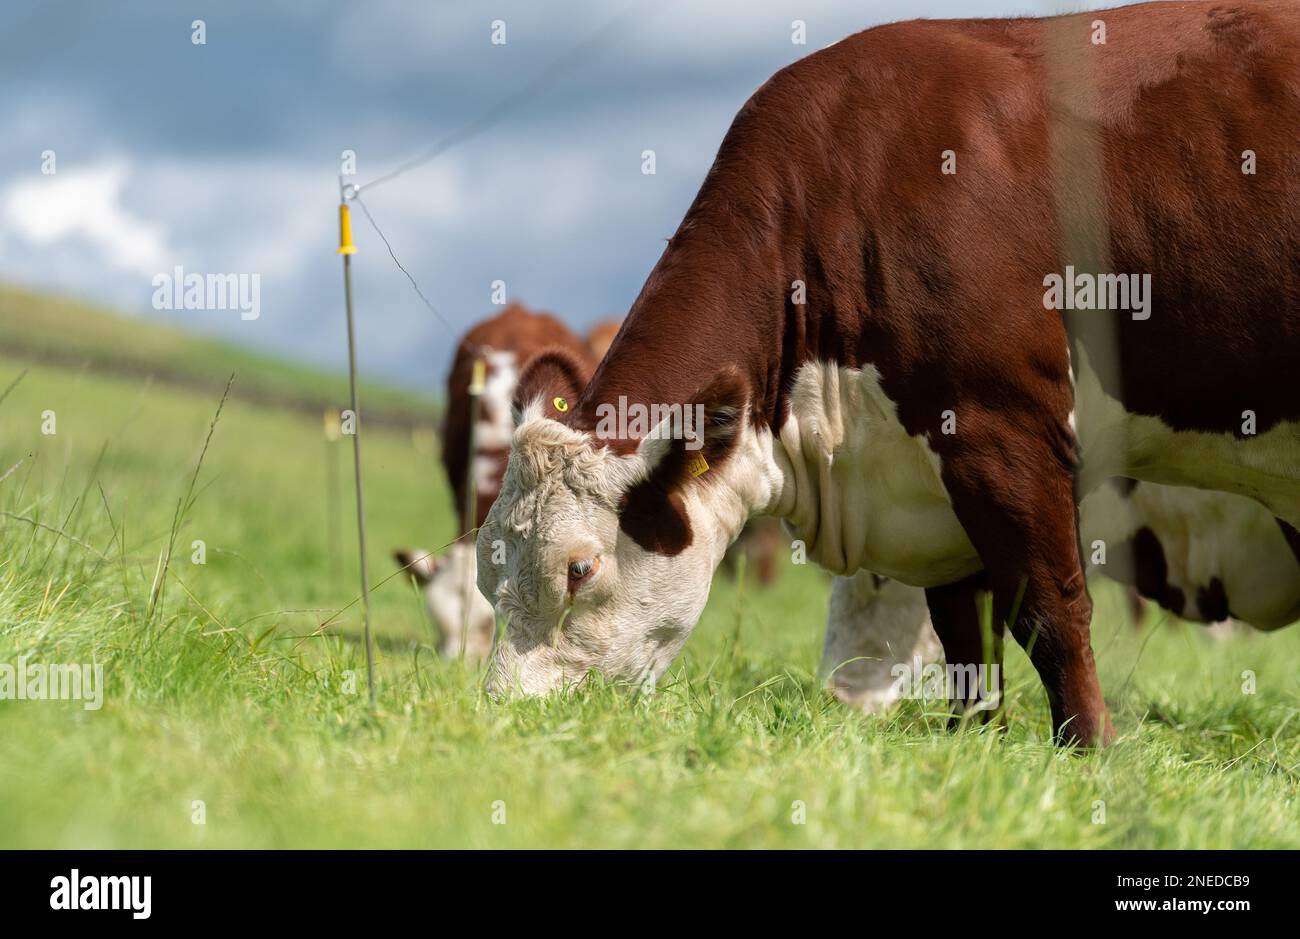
{"x": 223, "y": 157}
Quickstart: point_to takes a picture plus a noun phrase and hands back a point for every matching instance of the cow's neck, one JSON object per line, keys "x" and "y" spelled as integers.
{"x": 739, "y": 289}
{"x": 857, "y": 490}
{"x": 739, "y": 285}
{"x": 701, "y": 311}
{"x": 754, "y": 481}
{"x": 685, "y": 327}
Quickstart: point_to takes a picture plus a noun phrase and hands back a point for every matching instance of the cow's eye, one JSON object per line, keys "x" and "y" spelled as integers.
{"x": 581, "y": 571}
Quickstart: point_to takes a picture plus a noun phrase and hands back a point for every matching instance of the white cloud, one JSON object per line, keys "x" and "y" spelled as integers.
{"x": 86, "y": 204}
{"x": 239, "y": 214}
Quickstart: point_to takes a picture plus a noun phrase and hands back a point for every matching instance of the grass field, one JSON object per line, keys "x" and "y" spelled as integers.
{"x": 84, "y": 337}
{"x": 231, "y": 695}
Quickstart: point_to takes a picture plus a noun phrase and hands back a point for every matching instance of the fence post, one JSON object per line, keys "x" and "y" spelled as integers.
{"x": 347, "y": 249}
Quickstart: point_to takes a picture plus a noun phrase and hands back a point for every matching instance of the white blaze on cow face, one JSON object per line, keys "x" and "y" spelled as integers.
{"x": 630, "y": 616}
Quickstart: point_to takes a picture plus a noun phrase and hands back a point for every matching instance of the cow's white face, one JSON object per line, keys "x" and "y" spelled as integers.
{"x": 574, "y": 590}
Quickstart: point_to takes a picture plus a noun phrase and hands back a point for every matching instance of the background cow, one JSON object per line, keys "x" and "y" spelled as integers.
{"x": 506, "y": 342}
{"x": 1204, "y": 556}
{"x": 601, "y": 336}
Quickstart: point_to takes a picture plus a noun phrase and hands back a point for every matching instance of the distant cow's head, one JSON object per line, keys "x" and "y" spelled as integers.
{"x": 442, "y": 581}
{"x": 599, "y": 560}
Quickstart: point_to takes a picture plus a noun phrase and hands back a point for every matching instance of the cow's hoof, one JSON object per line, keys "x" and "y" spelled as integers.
{"x": 869, "y": 701}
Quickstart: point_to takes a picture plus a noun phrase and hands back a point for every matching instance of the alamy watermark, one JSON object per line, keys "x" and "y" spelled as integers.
{"x": 79, "y": 891}
{"x": 1080, "y": 290}
{"x": 32, "y": 681}
{"x": 181, "y": 291}
{"x": 979, "y": 684}
{"x": 653, "y": 421}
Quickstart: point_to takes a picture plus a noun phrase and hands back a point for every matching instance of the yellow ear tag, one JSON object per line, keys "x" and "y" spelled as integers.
{"x": 560, "y": 404}
{"x": 698, "y": 466}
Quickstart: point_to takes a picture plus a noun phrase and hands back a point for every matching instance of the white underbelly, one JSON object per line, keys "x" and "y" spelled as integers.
{"x": 866, "y": 495}
{"x": 1204, "y": 537}
{"x": 1114, "y": 442}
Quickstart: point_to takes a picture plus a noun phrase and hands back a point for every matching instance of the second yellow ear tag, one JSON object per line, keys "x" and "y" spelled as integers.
{"x": 560, "y": 404}
{"x": 698, "y": 466}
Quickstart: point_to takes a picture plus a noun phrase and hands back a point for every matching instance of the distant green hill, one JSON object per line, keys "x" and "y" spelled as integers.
{"x": 55, "y": 330}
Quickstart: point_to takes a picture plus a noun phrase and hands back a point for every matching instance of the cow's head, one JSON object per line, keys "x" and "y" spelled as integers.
{"x": 601, "y": 560}
{"x": 442, "y": 581}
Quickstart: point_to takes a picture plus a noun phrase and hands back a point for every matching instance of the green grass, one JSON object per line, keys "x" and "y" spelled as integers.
{"x": 220, "y": 698}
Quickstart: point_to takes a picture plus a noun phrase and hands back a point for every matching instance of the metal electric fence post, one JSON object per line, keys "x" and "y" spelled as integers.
{"x": 347, "y": 249}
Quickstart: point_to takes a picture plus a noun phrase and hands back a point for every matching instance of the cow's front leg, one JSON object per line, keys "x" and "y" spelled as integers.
{"x": 1016, "y": 502}
{"x": 974, "y": 659}
{"x": 1052, "y": 620}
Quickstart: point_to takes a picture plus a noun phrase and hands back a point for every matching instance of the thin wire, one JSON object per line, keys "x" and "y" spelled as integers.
{"x": 420, "y": 293}
{"x": 557, "y": 68}
{"x": 503, "y": 107}
{"x": 319, "y": 630}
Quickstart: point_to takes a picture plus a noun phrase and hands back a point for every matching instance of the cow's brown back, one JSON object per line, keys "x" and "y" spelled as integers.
{"x": 830, "y": 176}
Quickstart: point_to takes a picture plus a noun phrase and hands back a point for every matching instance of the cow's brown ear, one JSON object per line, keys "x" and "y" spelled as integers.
{"x": 555, "y": 377}
{"x": 703, "y": 439}
{"x": 653, "y": 513}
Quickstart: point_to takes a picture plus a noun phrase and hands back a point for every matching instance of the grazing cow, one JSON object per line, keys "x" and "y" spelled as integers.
{"x": 1204, "y": 556}
{"x": 874, "y": 624}
{"x": 853, "y": 327}
{"x": 505, "y": 342}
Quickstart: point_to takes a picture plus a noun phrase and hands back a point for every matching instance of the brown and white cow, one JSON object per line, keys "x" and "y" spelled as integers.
{"x": 1208, "y": 557}
{"x": 856, "y": 304}
{"x": 506, "y": 342}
